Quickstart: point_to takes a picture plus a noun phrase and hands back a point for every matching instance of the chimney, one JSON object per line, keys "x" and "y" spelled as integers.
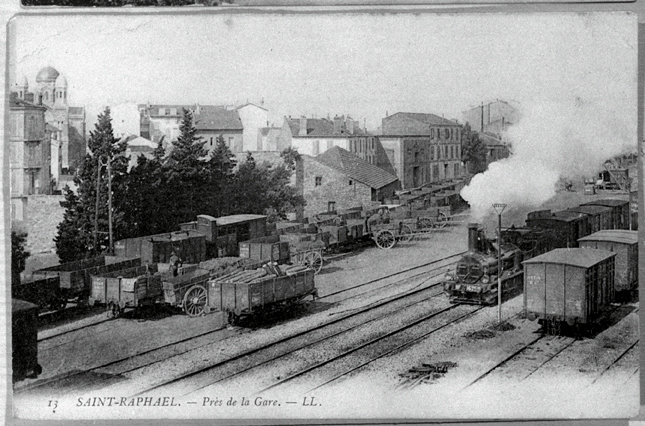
{"x": 303, "y": 126}
{"x": 473, "y": 235}
{"x": 482, "y": 122}
{"x": 503, "y": 124}
{"x": 350, "y": 125}
{"x": 338, "y": 121}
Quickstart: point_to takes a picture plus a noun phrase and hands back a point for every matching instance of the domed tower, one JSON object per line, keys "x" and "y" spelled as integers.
{"x": 60, "y": 90}
{"x": 45, "y": 86}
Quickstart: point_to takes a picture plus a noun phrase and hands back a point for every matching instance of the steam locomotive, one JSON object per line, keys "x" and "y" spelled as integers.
{"x": 475, "y": 279}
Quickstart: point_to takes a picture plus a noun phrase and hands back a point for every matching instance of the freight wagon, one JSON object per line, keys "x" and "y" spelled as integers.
{"x": 57, "y": 285}
{"x": 189, "y": 245}
{"x": 625, "y": 244}
{"x": 599, "y": 217}
{"x": 569, "y": 289}
{"x": 253, "y": 292}
{"x": 24, "y": 340}
{"x": 567, "y": 226}
{"x": 620, "y": 212}
{"x": 127, "y": 288}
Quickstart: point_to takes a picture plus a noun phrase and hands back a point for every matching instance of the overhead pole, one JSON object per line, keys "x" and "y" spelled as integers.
{"x": 499, "y": 208}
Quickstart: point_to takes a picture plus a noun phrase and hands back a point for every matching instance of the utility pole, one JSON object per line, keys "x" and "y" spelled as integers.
{"x": 499, "y": 208}
{"x": 96, "y": 208}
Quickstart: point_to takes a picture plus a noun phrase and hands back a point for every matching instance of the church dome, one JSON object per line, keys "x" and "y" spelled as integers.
{"x": 47, "y": 74}
{"x": 61, "y": 81}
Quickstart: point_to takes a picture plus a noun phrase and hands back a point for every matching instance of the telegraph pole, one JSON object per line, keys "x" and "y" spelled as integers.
{"x": 499, "y": 208}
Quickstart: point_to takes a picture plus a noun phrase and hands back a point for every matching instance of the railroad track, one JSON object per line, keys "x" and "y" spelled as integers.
{"x": 175, "y": 353}
{"x": 383, "y": 346}
{"x": 368, "y": 283}
{"x": 72, "y": 330}
{"x": 238, "y": 364}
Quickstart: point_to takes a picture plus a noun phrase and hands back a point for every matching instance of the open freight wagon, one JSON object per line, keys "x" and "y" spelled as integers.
{"x": 127, "y": 288}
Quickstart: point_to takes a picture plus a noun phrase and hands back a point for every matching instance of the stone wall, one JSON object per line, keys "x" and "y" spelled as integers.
{"x": 44, "y": 213}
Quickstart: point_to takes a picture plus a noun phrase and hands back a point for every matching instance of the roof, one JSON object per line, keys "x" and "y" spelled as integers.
{"x": 237, "y": 218}
{"x": 47, "y": 74}
{"x": 580, "y": 257}
{"x": 606, "y": 202}
{"x": 21, "y": 103}
{"x": 315, "y": 127}
{"x": 490, "y": 140}
{"x": 138, "y": 141}
{"x": 215, "y": 118}
{"x": 356, "y": 168}
{"x": 251, "y": 104}
{"x": 613, "y": 235}
{"x": 593, "y": 210}
{"x": 424, "y": 118}
{"x": 568, "y": 215}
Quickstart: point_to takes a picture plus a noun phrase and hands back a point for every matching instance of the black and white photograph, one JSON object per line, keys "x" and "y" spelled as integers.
{"x": 326, "y": 214}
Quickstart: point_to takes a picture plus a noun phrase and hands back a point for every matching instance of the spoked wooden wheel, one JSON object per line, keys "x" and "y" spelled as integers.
{"x": 406, "y": 234}
{"x": 314, "y": 261}
{"x": 442, "y": 220}
{"x": 195, "y": 301}
{"x": 425, "y": 224}
{"x": 385, "y": 239}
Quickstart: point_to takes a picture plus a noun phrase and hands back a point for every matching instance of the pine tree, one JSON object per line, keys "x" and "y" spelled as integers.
{"x": 221, "y": 167}
{"x": 76, "y": 234}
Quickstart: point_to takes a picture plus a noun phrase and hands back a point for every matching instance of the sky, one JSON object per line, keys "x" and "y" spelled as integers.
{"x": 363, "y": 65}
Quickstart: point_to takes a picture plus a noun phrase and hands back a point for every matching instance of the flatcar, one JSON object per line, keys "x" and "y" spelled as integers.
{"x": 24, "y": 340}
{"x": 625, "y": 244}
{"x": 475, "y": 279}
{"x": 569, "y": 289}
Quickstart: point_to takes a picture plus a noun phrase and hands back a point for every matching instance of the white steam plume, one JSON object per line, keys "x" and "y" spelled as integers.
{"x": 568, "y": 139}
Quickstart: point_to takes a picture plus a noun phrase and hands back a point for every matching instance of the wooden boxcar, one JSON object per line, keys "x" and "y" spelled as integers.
{"x": 620, "y": 211}
{"x": 568, "y": 286}
{"x": 567, "y": 226}
{"x": 240, "y": 299}
{"x": 625, "y": 244}
{"x": 128, "y": 288}
{"x": 230, "y": 230}
{"x": 189, "y": 245}
{"x": 266, "y": 249}
{"x": 75, "y": 278}
{"x": 24, "y": 340}
{"x": 599, "y": 217}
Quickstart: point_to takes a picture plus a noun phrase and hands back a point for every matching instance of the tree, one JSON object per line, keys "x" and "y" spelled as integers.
{"x": 221, "y": 165}
{"x": 473, "y": 150}
{"x": 18, "y": 256}
{"x": 78, "y": 236}
{"x": 290, "y": 156}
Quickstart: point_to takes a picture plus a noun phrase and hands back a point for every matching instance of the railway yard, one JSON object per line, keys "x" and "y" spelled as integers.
{"x": 381, "y": 333}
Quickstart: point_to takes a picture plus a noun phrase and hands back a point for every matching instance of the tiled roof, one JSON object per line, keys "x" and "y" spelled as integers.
{"x": 581, "y": 257}
{"x": 425, "y": 118}
{"x": 215, "y": 118}
{"x": 355, "y": 168}
{"x": 250, "y": 103}
{"x": 490, "y": 140}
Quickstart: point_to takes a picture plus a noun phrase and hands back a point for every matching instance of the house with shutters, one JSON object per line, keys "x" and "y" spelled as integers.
{"x": 338, "y": 179}
{"x": 423, "y": 148}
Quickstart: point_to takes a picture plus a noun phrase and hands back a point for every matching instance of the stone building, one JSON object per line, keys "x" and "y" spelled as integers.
{"x": 493, "y": 117}
{"x": 51, "y": 92}
{"x": 423, "y": 148}
{"x": 338, "y": 179}
{"x": 496, "y": 149}
{"x": 160, "y": 124}
{"x": 30, "y": 151}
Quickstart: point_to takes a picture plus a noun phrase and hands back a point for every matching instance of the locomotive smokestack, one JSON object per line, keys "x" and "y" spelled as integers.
{"x": 472, "y": 236}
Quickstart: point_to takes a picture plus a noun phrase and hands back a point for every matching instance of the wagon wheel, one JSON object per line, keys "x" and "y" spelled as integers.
{"x": 385, "y": 239}
{"x": 406, "y": 235}
{"x": 442, "y": 220}
{"x": 314, "y": 261}
{"x": 195, "y": 301}
{"x": 425, "y": 224}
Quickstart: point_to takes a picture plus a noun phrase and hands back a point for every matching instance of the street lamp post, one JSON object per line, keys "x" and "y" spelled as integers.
{"x": 499, "y": 208}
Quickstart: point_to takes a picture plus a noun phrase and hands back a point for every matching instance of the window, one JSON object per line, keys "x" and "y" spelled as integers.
{"x": 432, "y": 132}
{"x": 452, "y": 151}
{"x": 211, "y": 141}
{"x": 331, "y": 206}
{"x": 456, "y": 172}
{"x": 351, "y": 182}
{"x": 318, "y": 180}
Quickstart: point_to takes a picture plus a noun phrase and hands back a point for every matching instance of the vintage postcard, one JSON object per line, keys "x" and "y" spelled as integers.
{"x": 324, "y": 215}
